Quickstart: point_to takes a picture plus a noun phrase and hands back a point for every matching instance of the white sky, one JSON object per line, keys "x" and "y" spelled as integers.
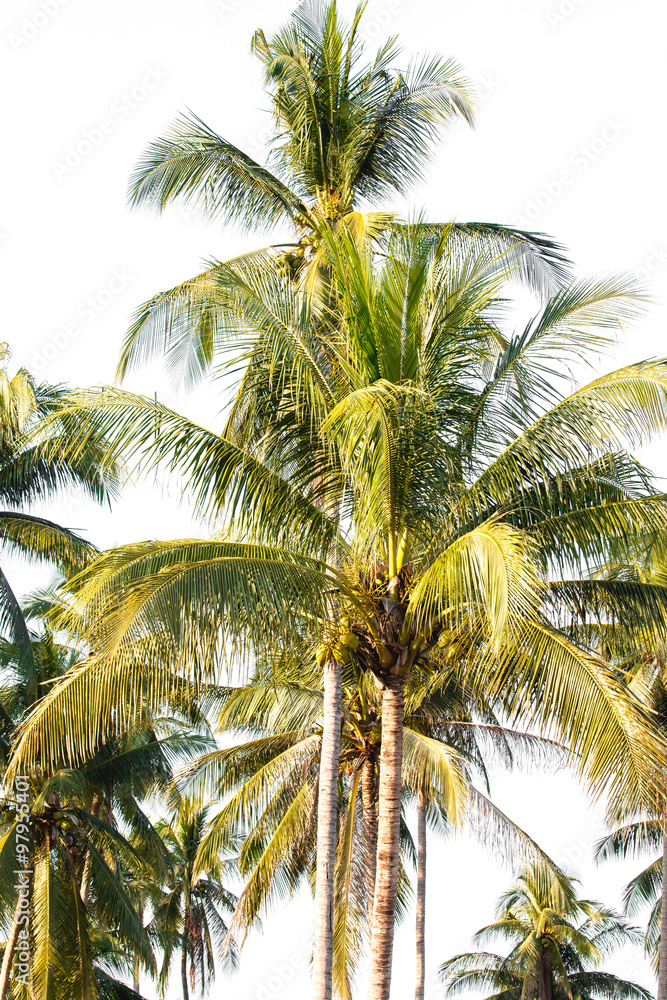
{"x": 574, "y": 86}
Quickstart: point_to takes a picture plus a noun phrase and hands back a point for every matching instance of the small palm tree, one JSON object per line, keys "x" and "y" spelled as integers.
{"x": 36, "y": 466}
{"x": 188, "y": 910}
{"x": 94, "y": 854}
{"x": 623, "y": 610}
{"x": 75, "y": 851}
{"x": 557, "y": 940}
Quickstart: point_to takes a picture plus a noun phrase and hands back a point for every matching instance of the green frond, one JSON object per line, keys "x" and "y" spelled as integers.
{"x": 219, "y": 474}
{"x": 211, "y": 175}
{"x": 630, "y": 840}
{"x": 545, "y": 680}
{"x": 644, "y": 890}
{"x": 436, "y": 770}
{"x": 487, "y": 574}
{"x": 43, "y": 540}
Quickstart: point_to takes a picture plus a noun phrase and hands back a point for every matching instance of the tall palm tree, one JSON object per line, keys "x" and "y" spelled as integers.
{"x": 188, "y": 909}
{"x": 94, "y": 849}
{"x": 458, "y": 471}
{"x": 268, "y": 784}
{"x": 349, "y": 130}
{"x": 557, "y": 944}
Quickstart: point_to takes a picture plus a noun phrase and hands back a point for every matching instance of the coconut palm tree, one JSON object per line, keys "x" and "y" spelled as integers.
{"x": 74, "y": 851}
{"x": 401, "y": 473}
{"x": 352, "y": 131}
{"x": 349, "y": 130}
{"x": 37, "y": 467}
{"x": 623, "y": 608}
{"x": 188, "y": 909}
{"x": 268, "y": 784}
{"x": 557, "y": 940}
{"x": 94, "y": 850}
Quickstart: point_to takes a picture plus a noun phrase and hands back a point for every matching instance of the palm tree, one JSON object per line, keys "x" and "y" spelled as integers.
{"x": 623, "y": 608}
{"x": 74, "y": 854}
{"x": 268, "y": 784}
{"x": 36, "y": 466}
{"x": 348, "y": 130}
{"x": 351, "y": 131}
{"x": 95, "y": 853}
{"x": 557, "y": 944}
{"x": 457, "y": 473}
{"x": 188, "y": 909}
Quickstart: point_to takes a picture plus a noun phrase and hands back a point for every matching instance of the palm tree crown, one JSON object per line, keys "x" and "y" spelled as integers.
{"x": 557, "y": 940}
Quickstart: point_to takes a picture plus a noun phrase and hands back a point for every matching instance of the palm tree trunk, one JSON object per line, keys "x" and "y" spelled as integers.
{"x": 88, "y": 865}
{"x": 8, "y": 959}
{"x": 184, "y": 969}
{"x": 662, "y": 976}
{"x": 186, "y": 944}
{"x": 421, "y": 897}
{"x": 545, "y": 983}
{"x": 389, "y": 820}
{"x": 369, "y": 810}
{"x": 327, "y": 810}
{"x": 136, "y": 982}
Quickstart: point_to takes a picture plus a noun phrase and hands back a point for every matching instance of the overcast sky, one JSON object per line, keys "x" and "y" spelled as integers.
{"x": 569, "y": 140}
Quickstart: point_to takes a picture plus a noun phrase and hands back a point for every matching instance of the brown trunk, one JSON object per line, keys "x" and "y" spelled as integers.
{"x": 662, "y": 975}
{"x": 369, "y": 808}
{"x": 8, "y": 959}
{"x": 184, "y": 970}
{"x": 545, "y": 985}
{"x": 389, "y": 819}
{"x": 87, "y": 868}
{"x": 136, "y": 984}
{"x": 184, "y": 953}
{"x": 421, "y": 897}
{"x": 327, "y": 813}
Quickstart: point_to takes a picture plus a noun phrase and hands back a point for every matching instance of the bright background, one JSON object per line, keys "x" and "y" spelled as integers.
{"x": 564, "y": 85}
